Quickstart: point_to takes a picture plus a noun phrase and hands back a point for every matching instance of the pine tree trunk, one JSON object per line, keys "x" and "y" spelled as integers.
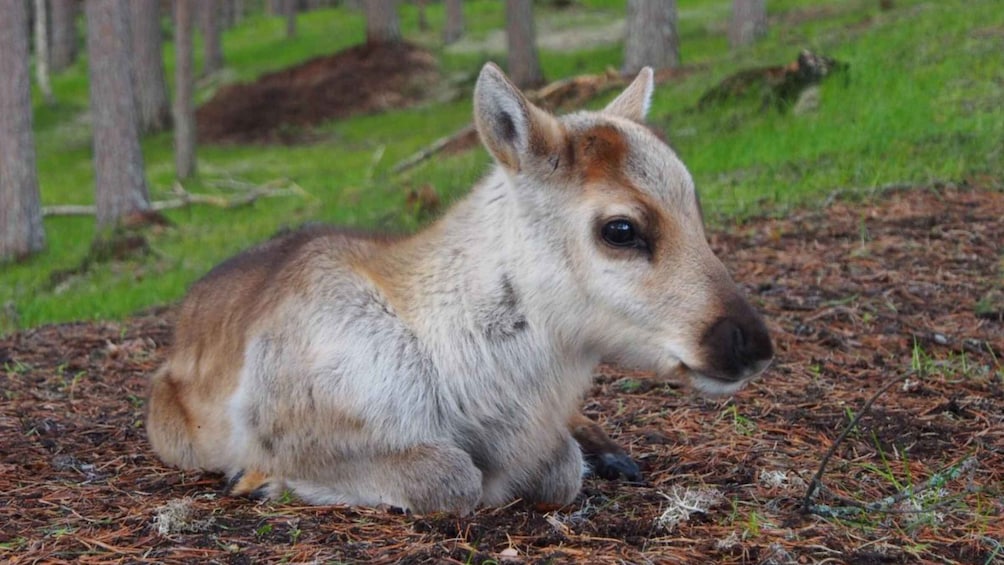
{"x": 118, "y": 161}
{"x": 524, "y": 65}
{"x": 152, "y": 100}
{"x": 184, "y": 108}
{"x": 21, "y": 230}
{"x": 423, "y": 21}
{"x": 42, "y": 51}
{"x": 651, "y": 39}
{"x": 63, "y": 50}
{"x": 228, "y": 14}
{"x": 749, "y": 22}
{"x": 454, "y": 29}
{"x": 211, "y": 40}
{"x": 290, "y": 10}
{"x": 382, "y": 23}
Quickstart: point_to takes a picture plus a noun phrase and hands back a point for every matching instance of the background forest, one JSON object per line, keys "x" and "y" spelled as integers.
{"x": 918, "y": 103}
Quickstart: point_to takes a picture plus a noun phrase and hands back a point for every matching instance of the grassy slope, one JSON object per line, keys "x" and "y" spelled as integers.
{"x": 922, "y": 102}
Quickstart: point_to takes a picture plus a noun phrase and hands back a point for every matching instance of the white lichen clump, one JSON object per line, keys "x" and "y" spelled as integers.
{"x": 686, "y": 501}
{"x": 178, "y": 517}
{"x": 776, "y": 478}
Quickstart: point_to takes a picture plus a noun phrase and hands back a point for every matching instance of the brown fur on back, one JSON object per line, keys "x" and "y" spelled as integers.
{"x": 220, "y": 312}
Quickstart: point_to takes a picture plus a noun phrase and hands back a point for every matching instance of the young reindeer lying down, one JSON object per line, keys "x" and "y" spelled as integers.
{"x": 445, "y": 370}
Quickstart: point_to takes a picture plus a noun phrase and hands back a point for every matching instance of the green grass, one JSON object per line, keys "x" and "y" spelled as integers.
{"x": 921, "y": 102}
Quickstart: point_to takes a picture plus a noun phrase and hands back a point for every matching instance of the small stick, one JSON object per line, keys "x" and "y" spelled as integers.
{"x": 817, "y": 479}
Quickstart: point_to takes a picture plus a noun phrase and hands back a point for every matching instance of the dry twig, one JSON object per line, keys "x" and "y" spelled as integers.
{"x": 184, "y": 199}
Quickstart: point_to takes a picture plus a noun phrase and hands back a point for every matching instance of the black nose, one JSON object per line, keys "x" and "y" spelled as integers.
{"x": 737, "y": 345}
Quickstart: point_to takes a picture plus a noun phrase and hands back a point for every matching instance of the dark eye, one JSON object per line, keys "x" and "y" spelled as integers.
{"x": 620, "y": 233}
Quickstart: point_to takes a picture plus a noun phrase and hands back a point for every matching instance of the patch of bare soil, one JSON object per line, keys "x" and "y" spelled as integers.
{"x": 855, "y": 293}
{"x": 278, "y": 107}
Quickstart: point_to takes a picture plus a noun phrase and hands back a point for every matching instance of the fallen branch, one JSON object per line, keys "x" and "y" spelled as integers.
{"x": 564, "y": 93}
{"x": 185, "y": 199}
{"x": 887, "y": 505}
{"x": 455, "y": 138}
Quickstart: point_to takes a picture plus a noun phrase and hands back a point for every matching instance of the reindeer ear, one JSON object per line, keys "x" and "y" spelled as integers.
{"x": 511, "y": 128}
{"x": 633, "y": 103}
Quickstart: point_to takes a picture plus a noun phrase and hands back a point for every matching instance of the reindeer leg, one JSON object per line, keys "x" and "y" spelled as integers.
{"x": 607, "y": 459}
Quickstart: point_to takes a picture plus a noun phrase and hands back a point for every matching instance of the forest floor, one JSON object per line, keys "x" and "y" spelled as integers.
{"x": 857, "y": 293}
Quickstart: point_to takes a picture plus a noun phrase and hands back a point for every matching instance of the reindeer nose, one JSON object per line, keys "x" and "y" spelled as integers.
{"x": 738, "y": 343}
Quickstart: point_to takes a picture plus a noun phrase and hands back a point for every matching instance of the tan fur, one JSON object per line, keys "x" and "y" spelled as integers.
{"x": 444, "y": 370}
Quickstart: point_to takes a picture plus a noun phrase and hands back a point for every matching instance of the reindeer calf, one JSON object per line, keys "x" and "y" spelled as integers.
{"x": 445, "y": 370}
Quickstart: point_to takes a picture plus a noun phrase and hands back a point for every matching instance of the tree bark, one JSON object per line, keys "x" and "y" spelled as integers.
{"x": 211, "y": 40}
{"x": 290, "y": 9}
{"x": 524, "y": 64}
{"x": 152, "y": 100}
{"x": 118, "y": 160}
{"x": 21, "y": 229}
{"x": 63, "y": 50}
{"x": 749, "y": 22}
{"x": 651, "y": 39}
{"x": 382, "y": 23}
{"x": 423, "y": 22}
{"x": 42, "y": 51}
{"x": 454, "y": 28}
{"x": 184, "y": 107}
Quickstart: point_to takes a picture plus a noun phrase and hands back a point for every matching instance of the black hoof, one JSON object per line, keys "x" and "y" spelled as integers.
{"x": 261, "y": 493}
{"x": 612, "y": 466}
{"x": 232, "y": 482}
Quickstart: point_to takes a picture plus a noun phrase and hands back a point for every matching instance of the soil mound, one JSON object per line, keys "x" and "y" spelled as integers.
{"x": 278, "y": 106}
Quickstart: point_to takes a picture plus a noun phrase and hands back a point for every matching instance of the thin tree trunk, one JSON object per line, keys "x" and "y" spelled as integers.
{"x": 651, "y": 39}
{"x": 184, "y": 108}
{"x": 64, "y": 34}
{"x": 118, "y": 160}
{"x": 290, "y": 9}
{"x": 382, "y": 23}
{"x": 152, "y": 100}
{"x": 524, "y": 64}
{"x": 42, "y": 51}
{"x": 423, "y": 22}
{"x": 227, "y": 16}
{"x": 454, "y": 28}
{"x": 21, "y": 229}
{"x": 211, "y": 40}
{"x": 749, "y": 22}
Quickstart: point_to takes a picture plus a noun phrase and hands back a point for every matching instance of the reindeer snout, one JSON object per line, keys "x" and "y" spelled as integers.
{"x": 737, "y": 344}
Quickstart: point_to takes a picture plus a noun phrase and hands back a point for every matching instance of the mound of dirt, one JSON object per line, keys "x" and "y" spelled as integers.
{"x": 855, "y": 295}
{"x": 278, "y": 106}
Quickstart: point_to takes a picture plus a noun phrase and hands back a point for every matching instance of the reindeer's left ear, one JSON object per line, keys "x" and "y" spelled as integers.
{"x": 633, "y": 103}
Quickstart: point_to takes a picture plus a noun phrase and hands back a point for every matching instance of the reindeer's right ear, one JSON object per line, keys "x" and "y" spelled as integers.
{"x": 511, "y": 128}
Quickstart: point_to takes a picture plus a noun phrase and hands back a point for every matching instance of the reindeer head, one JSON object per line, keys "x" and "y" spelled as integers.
{"x": 614, "y": 214}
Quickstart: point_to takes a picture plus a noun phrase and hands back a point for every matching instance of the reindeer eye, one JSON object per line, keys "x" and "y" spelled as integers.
{"x": 621, "y": 233}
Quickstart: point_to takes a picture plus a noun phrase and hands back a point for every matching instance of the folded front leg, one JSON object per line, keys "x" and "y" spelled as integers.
{"x": 607, "y": 459}
{"x": 422, "y": 479}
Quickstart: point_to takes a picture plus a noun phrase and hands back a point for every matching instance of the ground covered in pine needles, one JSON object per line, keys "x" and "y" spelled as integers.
{"x": 904, "y": 288}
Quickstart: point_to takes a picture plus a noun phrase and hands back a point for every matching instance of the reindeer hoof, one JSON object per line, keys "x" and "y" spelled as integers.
{"x": 252, "y": 484}
{"x": 611, "y": 466}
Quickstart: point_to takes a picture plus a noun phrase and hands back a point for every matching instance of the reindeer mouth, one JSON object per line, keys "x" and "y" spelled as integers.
{"x": 714, "y": 387}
